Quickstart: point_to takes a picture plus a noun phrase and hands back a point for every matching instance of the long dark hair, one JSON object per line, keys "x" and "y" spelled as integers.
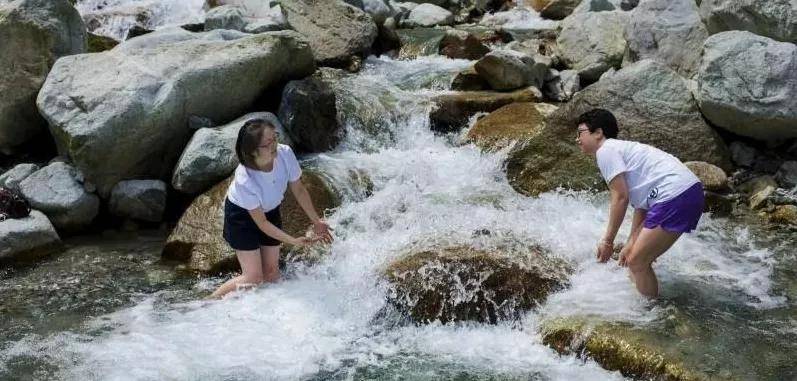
{"x": 249, "y": 137}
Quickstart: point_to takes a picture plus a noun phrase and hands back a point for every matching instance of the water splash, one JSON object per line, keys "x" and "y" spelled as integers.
{"x": 115, "y": 18}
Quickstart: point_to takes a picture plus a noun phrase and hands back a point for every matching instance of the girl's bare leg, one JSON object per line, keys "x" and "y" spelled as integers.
{"x": 251, "y": 273}
{"x": 269, "y": 257}
{"x": 650, "y": 244}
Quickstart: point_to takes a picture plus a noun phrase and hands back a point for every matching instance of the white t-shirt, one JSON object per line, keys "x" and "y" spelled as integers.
{"x": 252, "y": 188}
{"x": 653, "y": 176}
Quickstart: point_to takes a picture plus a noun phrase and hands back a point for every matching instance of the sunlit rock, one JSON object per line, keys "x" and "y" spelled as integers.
{"x": 59, "y": 191}
{"x": 124, "y": 113}
{"x": 712, "y": 177}
{"x": 775, "y": 19}
{"x": 593, "y": 42}
{"x": 747, "y": 84}
{"x": 26, "y": 239}
{"x": 33, "y": 35}
{"x": 511, "y": 123}
{"x": 453, "y": 110}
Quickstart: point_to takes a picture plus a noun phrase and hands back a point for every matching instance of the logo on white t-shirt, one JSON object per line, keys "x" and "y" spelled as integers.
{"x": 654, "y": 192}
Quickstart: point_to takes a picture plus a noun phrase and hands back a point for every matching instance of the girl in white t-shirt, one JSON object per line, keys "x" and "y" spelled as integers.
{"x": 667, "y": 197}
{"x": 252, "y": 221}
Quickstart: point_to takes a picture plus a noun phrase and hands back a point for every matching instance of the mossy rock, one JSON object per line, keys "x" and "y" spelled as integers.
{"x": 198, "y": 240}
{"x": 511, "y": 123}
{"x": 617, "y": 348}
{"x": 466, "y": 284}
{"x": 98, "y": 43}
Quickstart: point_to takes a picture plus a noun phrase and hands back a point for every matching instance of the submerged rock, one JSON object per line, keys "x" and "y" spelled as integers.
{"x": 453, "y": 110}
{"x": 419, "y": 42}
{"x": 617, "y": 348}
{"x": 765, "y": 70}
{"x": 27, "y": 239}
{"x": 784, "y": 214}
{"x": 652, "y": 104}
{"x": 34, "y": 34}
{"x": 463, "y": 283}
{"x": 197, "y": 238}
{"x": 124, "y": 113}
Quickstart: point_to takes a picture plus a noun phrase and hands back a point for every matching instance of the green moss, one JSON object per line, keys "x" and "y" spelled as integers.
{"x": 616, "y": 348}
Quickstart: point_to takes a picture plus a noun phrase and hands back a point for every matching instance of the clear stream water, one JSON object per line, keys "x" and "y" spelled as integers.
{"x": 107, "y": 308}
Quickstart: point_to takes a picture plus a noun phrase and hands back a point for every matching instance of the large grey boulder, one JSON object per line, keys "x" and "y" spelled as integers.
{"x": 653, "y": 105}
{"x": 509, "y": 69}
{"x": 210, "y": 155}
{"x": 669, "y": 31}
{"x": 747, "y": 84}
{"x": 593, "y": 42}
{"x": 428, "y": 15}
{"x": 33, "y": 34}
{"x": 336, "y": 30}
{"x": 27, "y": 239}
{"x": 123, "y": 114}
{"x": 776, "y": 19}
{"x": 308, "y": 111}
{"x": 787, "y": 174}
{"x": 245, "y": 17}
{"x": 14, "y": 176}
{"x": 139, "y": 199}
{"x": 58, "y": 191}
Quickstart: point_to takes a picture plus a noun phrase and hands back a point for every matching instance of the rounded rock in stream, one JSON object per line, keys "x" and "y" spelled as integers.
{"x": 464, "y": 283}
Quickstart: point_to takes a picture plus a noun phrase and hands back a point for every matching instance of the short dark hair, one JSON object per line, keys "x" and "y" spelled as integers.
{"x": 599, "y": 118}
{"x": 249, "y": 137}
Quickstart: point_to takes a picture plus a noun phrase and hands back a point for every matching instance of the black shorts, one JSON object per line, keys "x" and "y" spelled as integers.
{"x": 240, "y": 230}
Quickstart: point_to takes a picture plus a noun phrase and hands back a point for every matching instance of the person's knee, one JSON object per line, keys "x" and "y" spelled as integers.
{"x": 637, "y": 263}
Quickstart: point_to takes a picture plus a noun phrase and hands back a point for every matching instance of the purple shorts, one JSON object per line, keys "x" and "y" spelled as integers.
{"x": 679, "y": 215}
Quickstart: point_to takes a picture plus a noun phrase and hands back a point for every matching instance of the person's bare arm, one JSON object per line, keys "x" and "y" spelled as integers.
{"x": 618, "y": 189}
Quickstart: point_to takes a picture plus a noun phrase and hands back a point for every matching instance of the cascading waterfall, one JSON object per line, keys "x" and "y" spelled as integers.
{"x": 426, "y": 190}
{"x": 115, "y": 18}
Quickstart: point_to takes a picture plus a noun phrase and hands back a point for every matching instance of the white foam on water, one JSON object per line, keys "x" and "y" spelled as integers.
{"x": 519, "y": 17}
{"x": 425, "y": 193}
{"x": 114, "y": 18}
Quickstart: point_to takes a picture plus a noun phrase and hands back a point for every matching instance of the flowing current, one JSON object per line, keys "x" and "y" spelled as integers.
{"x": 326, "y": 322}
{"x": 111, "y": 311}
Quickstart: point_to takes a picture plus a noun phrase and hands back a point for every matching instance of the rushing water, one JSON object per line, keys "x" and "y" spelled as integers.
{"x": 106, "y": 309}
{"x": 115, "y": 18}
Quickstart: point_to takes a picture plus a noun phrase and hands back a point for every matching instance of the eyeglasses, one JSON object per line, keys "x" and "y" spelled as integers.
{"x": 270, "y": 142}
{"x": 580, "y": 130}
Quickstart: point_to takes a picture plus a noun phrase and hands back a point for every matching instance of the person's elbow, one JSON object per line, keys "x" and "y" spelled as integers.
{"x": 620, "y": 197}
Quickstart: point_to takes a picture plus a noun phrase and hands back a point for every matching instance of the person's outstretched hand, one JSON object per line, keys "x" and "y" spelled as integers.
{"x": 303, "y": 241}
{"x": 322, "y": 231}
{"x": 604, "y": 251}
{"x": 624, "y": 253}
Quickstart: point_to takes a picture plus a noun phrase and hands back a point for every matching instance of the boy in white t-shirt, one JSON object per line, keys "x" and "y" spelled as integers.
{"x": 667, "y": 197}
{"x": 252, "y": 221}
